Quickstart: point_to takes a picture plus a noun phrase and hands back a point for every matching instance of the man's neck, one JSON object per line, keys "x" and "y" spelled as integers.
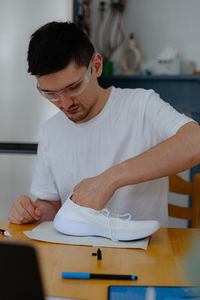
{"x": 103, "y": 98}
{"x": 99, "y": 104}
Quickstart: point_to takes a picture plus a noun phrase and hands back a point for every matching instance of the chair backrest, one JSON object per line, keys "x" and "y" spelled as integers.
{"x": 181, "y": 186}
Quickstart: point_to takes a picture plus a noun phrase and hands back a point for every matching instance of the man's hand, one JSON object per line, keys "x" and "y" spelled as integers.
{"x": 24, "y": 210}
{"x": 94, "y": 192}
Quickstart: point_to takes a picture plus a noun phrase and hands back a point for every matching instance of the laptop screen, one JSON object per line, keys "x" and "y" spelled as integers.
{"x": 19, "y": 272}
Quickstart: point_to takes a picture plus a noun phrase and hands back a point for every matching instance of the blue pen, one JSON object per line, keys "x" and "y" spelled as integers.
{"x": 83, "y": 275}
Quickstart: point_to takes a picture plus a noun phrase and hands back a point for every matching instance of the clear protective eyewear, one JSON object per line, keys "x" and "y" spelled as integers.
{"x": 74, "y": 89}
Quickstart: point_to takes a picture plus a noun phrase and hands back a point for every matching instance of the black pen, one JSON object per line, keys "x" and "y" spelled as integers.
{"x": 83, "y": 275}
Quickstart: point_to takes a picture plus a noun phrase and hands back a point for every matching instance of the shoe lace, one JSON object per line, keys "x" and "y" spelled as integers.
{"x": 105, "y": 212}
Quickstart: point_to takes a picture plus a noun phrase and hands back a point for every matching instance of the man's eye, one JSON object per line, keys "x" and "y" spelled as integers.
{"x": 75, "y": 86}
{"x": 50, "y": 95}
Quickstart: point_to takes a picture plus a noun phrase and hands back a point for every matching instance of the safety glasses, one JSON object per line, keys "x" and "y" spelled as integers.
{"x": 74, "y": 89}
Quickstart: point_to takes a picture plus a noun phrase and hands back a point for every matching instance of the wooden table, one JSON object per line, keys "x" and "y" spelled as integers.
{"x": 161, "y": 264}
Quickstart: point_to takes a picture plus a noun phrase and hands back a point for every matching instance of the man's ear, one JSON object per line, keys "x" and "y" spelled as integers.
{"x": 97, "y": 64}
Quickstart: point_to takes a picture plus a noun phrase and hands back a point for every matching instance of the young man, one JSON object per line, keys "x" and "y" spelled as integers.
{"x": 110, "y": 147}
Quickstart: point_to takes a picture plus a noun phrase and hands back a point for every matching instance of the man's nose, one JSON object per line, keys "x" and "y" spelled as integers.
{"x": 65, "y": 100}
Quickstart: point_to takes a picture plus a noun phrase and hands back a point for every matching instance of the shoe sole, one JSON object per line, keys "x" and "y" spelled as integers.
{"x": 80, "y": 229}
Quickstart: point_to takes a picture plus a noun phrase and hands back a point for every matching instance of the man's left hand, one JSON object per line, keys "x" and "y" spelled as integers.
{"x": 93, "y": 192}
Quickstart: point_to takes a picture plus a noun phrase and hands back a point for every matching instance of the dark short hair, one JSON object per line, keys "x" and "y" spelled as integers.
{"x": 54, "y": 45}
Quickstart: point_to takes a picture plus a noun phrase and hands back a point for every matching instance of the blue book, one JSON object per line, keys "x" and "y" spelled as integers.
{"x": 159, "y": 293}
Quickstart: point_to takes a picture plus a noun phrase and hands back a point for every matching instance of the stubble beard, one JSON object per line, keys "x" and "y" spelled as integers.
{"x": 81, "y": 114}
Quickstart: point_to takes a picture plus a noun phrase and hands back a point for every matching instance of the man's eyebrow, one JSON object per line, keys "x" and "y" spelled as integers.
{"x": 49, "y": 91}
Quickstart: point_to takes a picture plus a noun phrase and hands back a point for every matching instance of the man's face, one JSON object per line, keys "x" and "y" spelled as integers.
{"x": 77, "y": 91}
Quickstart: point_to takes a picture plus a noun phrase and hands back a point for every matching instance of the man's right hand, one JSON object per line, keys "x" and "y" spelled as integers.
{"x": 24, "y": 211}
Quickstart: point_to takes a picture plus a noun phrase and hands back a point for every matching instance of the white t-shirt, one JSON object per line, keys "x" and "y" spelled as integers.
{"x": 131, "y": 122}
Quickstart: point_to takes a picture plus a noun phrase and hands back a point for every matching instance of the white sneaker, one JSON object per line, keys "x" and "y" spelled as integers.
{"x": 78, "y": 220}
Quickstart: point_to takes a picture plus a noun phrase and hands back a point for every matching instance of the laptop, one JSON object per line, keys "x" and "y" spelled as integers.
{"x": 19, "y": 273}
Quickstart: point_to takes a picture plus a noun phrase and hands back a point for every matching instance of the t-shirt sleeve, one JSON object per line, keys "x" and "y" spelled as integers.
{"x": 43, "y": 184}
{"x": 164, "y": 119}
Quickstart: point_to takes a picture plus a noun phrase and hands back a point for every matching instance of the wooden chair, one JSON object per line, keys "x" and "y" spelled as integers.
{"x": 180, "y": 186}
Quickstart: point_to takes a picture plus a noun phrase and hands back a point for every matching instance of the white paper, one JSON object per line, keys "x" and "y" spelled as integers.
{"x": 45, "y": 232}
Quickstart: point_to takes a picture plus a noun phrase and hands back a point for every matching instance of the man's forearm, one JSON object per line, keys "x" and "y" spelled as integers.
{"x": 178, "y": 153}
{"x": 47, "y": 208}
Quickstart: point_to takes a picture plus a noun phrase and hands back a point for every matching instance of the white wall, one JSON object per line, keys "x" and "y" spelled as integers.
{"x": 22, "y": 110}
{"x": 158, "y": 23}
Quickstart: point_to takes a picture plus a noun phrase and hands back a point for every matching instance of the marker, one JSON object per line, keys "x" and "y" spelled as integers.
{"x": 5, "y": 232}
{"x": 82, "y": 275}
{"x": 99, "y": 256}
